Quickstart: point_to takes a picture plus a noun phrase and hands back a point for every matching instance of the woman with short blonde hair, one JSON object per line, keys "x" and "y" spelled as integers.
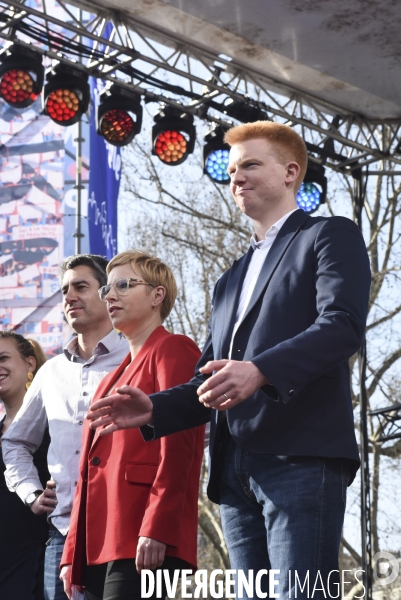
{"x": 136, "y": 502}
{"x": 154, "y": 271}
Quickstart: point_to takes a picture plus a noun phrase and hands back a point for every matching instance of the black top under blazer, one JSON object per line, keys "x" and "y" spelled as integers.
{"x": 305, "y": 319}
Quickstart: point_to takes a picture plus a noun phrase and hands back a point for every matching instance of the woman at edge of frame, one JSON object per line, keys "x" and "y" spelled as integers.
{"x": 22, "y": 534}
{"x": 136, "y": 504}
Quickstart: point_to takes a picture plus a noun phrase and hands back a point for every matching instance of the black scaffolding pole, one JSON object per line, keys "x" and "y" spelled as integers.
{"x": 366, "y": 540}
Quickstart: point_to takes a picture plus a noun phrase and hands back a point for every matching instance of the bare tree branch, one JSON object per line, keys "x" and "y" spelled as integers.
{"x": 387, "y": 317}
{"x": 211, "y": 527}
{"x": 390, "y": 360}
{"x": 351, "y": 550}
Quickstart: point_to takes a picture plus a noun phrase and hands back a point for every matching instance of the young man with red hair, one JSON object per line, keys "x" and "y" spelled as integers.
{"x": 274, "y": 377}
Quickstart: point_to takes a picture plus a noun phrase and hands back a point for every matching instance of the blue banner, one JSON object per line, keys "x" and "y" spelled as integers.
{"x": 104, "y": 185}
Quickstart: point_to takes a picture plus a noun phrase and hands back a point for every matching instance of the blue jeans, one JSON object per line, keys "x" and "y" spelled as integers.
{"x": 284, "y": 513}
{"x": 54, "y": 589}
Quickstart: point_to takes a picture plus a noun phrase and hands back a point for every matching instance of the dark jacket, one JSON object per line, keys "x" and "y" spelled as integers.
{"x": 305, "y": 319}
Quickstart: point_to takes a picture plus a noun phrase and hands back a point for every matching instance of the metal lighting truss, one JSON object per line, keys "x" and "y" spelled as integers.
{"x": 164, "y": 68}
{"x": 389, "y": 421}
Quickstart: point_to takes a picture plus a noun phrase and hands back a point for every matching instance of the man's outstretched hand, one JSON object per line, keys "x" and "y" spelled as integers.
{"x": 233, "y": 382}
{"x": 128, "y": 407}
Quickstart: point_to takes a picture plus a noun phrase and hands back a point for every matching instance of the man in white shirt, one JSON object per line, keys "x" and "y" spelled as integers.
{"x": 274, "y": 377}
{"x": 59, "y": 398}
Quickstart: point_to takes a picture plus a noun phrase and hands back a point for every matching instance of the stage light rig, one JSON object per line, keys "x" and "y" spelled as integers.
{"x": 66, "y": 94}
{"x": 215, "y": 155}
{"x": 119, "y": 116}
{"x": 21, "y": 75}
{"x": 244, "y": 112}
{"x": 313, "y": 190}
{"x": 173, "y": 135}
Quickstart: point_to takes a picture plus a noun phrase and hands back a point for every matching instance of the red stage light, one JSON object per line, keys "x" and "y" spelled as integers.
{"x": 173, "y": 135}
{"x": 118, "y": 115}
{"x": 116, "y": 126}
{"x": 17, "y": 86}
{"x": 21, "y": 75}
{"x": 62, "y": 105}
{"x": 66, "y": 94}
{"x": 170, "y": 146}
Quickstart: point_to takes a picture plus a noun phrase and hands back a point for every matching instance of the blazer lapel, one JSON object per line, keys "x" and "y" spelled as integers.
{"x": 105, "y": 387}
{"x": 285, "y": 236}
{"x": 232, "y": 293}
{"x": 109, "y": 383}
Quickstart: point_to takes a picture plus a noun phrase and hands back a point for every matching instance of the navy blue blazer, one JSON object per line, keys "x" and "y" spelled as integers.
{"x": 305, "y": 319}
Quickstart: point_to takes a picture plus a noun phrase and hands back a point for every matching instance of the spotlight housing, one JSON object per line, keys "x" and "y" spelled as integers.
{"x": 215, "y": 155}
{"x": 21, "y": 75}
{"x": 173, "y": 135}
{"x": 244, "y": 112}
{"x": 119, "y": 116}
{"x": 66, "y": 95}
{"x": 313, "y": 190}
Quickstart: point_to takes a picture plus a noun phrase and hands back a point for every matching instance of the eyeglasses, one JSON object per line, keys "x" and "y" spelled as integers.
{"x": 122, "y": 287}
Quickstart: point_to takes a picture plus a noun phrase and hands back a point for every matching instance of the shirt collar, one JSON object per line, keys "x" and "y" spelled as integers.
{"x": 106, "y": 345}
{"x": 271, "y": 232}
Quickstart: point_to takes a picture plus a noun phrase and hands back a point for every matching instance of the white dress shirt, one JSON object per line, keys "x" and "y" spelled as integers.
{"x": 260, "y": 251}
{"x": 59, "y": 397}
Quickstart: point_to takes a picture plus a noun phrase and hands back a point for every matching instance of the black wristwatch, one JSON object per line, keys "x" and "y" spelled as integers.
{"x": 30, "y": 499}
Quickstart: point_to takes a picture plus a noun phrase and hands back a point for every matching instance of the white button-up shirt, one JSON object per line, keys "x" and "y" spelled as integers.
{"x": 59, "y": 397}
{"x": 260, "y": 251}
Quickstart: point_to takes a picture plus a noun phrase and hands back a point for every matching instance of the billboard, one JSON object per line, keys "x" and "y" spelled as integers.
{"x": 31, "y": 226}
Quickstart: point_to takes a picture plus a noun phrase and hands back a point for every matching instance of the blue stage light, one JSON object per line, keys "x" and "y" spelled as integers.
{"x": 215, "y": 155}
{"x": 308, "y": 197}
{"x": 216, "y": 165}
{"x": 313, "y": 190}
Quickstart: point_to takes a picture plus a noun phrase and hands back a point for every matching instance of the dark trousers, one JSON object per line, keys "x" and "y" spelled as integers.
{"x": 284, "y": 513}
{"x": 119, "y": 580}
{"x": 21, "y": 572}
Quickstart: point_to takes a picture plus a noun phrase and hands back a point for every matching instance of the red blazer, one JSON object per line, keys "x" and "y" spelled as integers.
{"x": 130, "y": 488}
